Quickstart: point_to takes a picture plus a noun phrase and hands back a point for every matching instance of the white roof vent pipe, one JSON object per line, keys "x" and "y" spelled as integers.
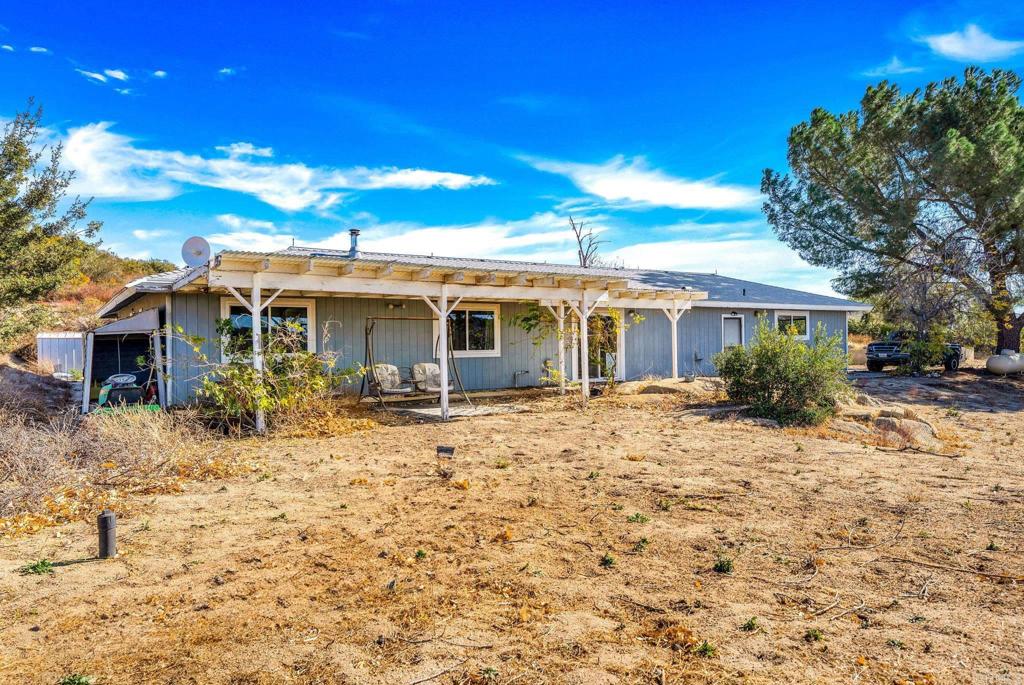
{"x": 353, "y": 250}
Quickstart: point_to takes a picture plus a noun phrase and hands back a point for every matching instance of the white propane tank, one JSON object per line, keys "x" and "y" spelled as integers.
{"x": 1006, "y": 363}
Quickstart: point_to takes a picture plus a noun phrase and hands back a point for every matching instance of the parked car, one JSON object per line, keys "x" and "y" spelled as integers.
{"x": 895, "y": 351}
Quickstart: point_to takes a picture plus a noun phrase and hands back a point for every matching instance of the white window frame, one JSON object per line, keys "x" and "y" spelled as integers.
{"x": 226, "y": 303}
{"x": 743, "y": 329}
{"x": 477, "y": 307}
{"x": 795, "y": 312}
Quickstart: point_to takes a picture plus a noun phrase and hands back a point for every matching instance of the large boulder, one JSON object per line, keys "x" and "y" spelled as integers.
{"x": 915, "y": 432}
{"x": 850, "y": 427}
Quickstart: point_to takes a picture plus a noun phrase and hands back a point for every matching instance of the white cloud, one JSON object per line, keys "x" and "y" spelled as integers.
{"x": 633, "y": 182}
{"x": 123, "y": 91}
{"x": 159, "y": 73}
{"x": 39, "y": 50}
{"x": 92, "y": 75}
{"x": 240, "y": 222}
{"x": 893, "y": 67}
{"x": 250, "y": 240}
{"x": 8, "y": 48}
{"x": 111, "y": 165}
{"x": 118, "y": 74}
{"x": 539, "y": 237}
{"x": 973, "y": 44}
{"x": 245, "y": 150}
{"x": 149, "y": 234}
{"x": 226, "y": 71}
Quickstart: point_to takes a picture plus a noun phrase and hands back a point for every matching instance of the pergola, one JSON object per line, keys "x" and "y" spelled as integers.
{"x": 257, "y": 279}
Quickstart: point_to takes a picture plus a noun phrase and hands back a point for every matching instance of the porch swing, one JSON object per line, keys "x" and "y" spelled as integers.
{"x": 382, "y": 379}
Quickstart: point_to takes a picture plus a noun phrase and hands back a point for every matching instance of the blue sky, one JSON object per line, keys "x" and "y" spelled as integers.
{"x": 468, "y": 129}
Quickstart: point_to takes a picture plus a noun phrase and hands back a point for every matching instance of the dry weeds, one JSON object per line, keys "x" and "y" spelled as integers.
{"x": 360, "y": 559}
{"x": 69, "y": 468}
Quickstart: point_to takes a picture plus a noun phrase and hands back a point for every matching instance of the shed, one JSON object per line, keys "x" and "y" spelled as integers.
{"x": 117, "y": 347}
{"x": 61, "y": 350}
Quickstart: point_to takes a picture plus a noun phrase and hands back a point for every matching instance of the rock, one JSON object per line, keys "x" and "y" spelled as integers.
{"x": 756, "y": 421}
{"x": 857, "y": 413}
{"x": 866, "y": 400}
{"x": 916, "y": 432}
{"x": 850, "y": 427}
{"x": 893, "y": 412}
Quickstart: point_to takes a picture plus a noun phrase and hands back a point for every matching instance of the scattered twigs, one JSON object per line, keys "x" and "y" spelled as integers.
{"x": 802, "y": 581}
{"x": 861, "y": 547}
{"x": 829, "y": 608}
{"x": 648, "y": 607}
{"x": 923, "y": 592}
{"x": 849, "y": 611}
{"x": 910, "y": 448}
{"x": 953, "y": 569}
{"x": 439, "y": 674}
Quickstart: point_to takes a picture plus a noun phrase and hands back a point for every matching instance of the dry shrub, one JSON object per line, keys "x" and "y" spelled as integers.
{"x": 71, "y": 467}
{"x": 329, "y": 418}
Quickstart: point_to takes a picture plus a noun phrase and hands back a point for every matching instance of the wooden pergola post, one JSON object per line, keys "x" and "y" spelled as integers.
{"x": 559, "y": 315}
{"x": 256, "y": 305}
{"x": 673, "y": 315}
{"x": 442, "y": 310}
{"x": 583, "y": 312}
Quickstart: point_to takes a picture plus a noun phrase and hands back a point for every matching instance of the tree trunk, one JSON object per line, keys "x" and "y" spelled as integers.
{"x": 1008, "y": 335}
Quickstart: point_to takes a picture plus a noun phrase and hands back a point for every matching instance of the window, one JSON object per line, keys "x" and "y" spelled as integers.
{"x": 798, "y": 322}
{"x": 475, "y": 331}
{"x": 732, "y": 331}
{"x": 289, "y": 321}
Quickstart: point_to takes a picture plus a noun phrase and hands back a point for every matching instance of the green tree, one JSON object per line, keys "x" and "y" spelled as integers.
{"x": 41, "y": 241}
{"x": 928, "y": 183}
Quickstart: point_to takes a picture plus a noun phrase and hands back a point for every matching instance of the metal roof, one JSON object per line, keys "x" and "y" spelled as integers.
{"x": 721, "y": 290}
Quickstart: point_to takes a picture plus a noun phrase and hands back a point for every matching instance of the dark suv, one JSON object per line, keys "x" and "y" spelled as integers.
{"x": 893, "y": 351}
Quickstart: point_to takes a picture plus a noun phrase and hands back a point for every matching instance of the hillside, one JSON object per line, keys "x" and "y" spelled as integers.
{"x": 100, "y": 274}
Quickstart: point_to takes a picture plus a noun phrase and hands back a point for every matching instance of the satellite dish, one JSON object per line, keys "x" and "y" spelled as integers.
{"x": 195, "y": 251}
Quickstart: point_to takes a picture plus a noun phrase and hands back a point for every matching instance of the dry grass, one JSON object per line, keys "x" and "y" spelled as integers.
{"x": 363, "y": 559}
{"x": 70, "y": 467}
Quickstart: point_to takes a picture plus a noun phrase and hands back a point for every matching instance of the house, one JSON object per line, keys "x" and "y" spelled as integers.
{"x": 680, "y": 320}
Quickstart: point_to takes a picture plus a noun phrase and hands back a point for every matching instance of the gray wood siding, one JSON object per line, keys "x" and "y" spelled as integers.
{"x": 649, "y": 343}
{"x": 196, "y": 315}
{"x": 340, "y": 332}
{"x": 340, "y": 325}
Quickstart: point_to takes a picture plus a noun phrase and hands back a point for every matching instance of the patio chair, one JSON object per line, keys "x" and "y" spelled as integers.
{"x": 426, "y": 376}
{"x": 385, "y": 379}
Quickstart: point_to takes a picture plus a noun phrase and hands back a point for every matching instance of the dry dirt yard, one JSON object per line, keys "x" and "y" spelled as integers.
{"x": 634, "y": 542}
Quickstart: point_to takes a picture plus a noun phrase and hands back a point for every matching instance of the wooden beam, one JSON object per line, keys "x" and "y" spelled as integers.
{"x": 457, "y": 277}
{"x": 264, "y": 265}
{"x": 424, "y": 274}
{"x": 487, "y": 278}
{"x": 519, "y": 279}
{"x": 385, "y": 271}
{"x": 347, "y": 269}
{"x": 570, "y": 282}
{"x": 310, "y": 265}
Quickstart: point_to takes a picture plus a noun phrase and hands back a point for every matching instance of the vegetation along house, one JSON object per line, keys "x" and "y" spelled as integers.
{"x": 675, "y": 321}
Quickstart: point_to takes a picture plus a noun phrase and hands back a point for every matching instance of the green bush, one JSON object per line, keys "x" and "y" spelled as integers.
{"x": 926, "y": 352}
{"x": 783, "y": 378}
